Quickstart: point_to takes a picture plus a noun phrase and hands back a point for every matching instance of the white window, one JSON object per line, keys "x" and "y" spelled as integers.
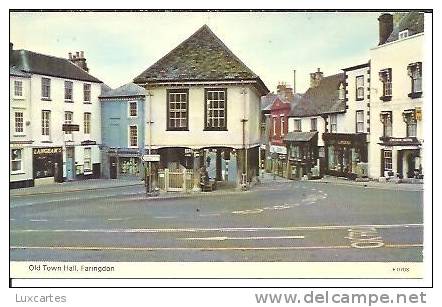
{"x": 178, "y": 107}
{"x": 216, "y": 106}
{"x": 409, "y": 117}
{"x": 87, "y": 123}
{"x": 359, "y": 87}
{"x": 68, "y": 85}
{"x": 18, "y": 88}
{"x": 297, "y": 125}
{"x": 387, "y": 121}
{"x": 415, "y": 73}
{"x": 16, "y": 160}
{"x": 133, "y": 109}
{"x": 403, "y": 34}
{"x": 282, "y": 124}
{"x": 133, "y": 136}
{"x": 333, "y": 123}
{"x": 45, "y": 88}
{"x": 19, "y": 122}
{"x": 45, "y": 122}
{"x": 313, "y": 124}
{"x": 86, "y": 92}
{"x": 386, "y": 79}
{"x": 68, "y": 118}
{"x": 87, "y": 165}
{"x": 359, "y": 121}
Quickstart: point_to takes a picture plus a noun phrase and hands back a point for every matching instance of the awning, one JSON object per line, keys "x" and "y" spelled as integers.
{"x": 300, "y": 136}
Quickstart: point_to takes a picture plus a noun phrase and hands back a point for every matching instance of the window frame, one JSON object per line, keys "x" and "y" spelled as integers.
{"x": 282, "y": 122}
{"x": 45, "y": 122}
{"x": 87, "y": 171}
{"x": 206, "y": 109}
{"x": 20, "y": 160}
{"x": 315, "y": 120}
{"x": 359, "y": 122}
{"x": 45, "y": 87}
{"x": 274, "y": 124}
{"x": 66, "y": 121}
{"x": 87, "y": 122}
{"x": 16, "y": 87}
{"x": 410, "y": 121}
{"x": 358, "y": 87}
{"x": 129, "y": 109}
{"x": 335, "y": 116}
{"x": 66, "y": 91}
{"x": 130, "y": 136}
{"x": 411, "y": 69}
{"x": 88, "y": 91}
{"x": 297, "y": 125}
{"x": 18, "y": 132}
{"x": 386, "y": 77}
{"x": 177, "y": 91}
{"x": 386, "y": 115}
{"x": 390, "y": 152}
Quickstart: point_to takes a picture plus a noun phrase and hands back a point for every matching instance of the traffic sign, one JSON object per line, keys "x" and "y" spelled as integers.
{"x": 150, "y": 158}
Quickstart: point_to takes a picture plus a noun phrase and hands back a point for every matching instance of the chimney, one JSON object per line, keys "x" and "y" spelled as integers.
{"x": 79, "y": 60}
{"x": 294, "y": 81}
{"x": 316, "y": 77}
{"x": 385, "y": 27}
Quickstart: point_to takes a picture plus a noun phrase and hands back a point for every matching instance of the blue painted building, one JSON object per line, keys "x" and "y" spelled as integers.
{"x": 122, "y": 124}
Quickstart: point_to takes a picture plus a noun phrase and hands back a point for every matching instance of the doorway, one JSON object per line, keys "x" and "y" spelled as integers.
{"x": 113, "y": 167}
{"x": 70, "y": 163}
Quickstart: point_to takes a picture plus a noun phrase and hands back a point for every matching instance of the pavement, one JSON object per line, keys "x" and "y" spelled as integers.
{"x": 276, "y": 220}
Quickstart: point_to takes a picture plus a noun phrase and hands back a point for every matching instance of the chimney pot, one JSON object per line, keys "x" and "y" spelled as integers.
{"x": 385, "y": 27}
{"x": 82, "y": 54}
{"x": 70, "y": 55}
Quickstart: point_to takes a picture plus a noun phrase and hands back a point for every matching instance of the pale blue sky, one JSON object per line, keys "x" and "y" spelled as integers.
{"x": 119, "y": 46}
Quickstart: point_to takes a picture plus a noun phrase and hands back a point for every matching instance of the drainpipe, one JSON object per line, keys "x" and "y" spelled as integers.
{"x": 244, "y": 120}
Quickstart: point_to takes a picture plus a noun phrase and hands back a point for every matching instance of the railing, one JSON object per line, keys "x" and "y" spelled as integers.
{"x": 175, "y": 180}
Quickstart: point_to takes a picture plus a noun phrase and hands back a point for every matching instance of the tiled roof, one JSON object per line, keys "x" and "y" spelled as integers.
{"x": 36, "y": 63}
{"x": 299, "y": 136}
{"x": 413, "y": 21}
{"x": 127, "y": 90}
{"x": 105, "y": 88}
{"x": 267, "y": 101}
{"x": 201, "y": 57}
{"x": 18, "y": 73}
{"x": 322, "y": 99}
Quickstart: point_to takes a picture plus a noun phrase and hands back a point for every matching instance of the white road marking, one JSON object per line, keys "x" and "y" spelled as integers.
{"x": 239, "y": 238}
{"x": 117, "y": 219}
{"x": 250, "y": 211}
{"x": 32, "y": 220}
{"x": 164, "y": 217}
{"x": 210, "y": 214}
{"x": 227, "y": 229}
{"x": 118, "y": 248}
{"x": 68, "y": 220}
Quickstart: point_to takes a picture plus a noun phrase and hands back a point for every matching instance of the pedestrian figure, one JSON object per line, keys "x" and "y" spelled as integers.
{"x": 208, "y": 161}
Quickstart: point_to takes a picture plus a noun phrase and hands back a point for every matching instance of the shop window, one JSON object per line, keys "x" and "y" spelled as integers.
{"x": 333, "y": 162}
{"x": 314, "y": 124}
{"x": 216, "y": 109}
{"x": 128, "y": 166}
{"x": 359, "y": 121}
{"x": 415, "y": 74}
{"x": 385, "y": 76}
{"x": 388, "y": 160}
{"x": 387, "y": 121}
{"x": 177, "y": 109}
{"x": 333, "y": 123}
{"x": 359, "y": 87}
{"x": 409, "y": 117}
{"x": 16, "y": 160}
{"x": 295, "y": 152}
{"x": 87, "y": 165}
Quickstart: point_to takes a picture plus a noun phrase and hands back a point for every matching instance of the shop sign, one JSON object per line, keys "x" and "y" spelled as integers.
{"x": 88, "y": 142}
{"x": 150, "y": 158}
{"x": 343, "y": 142}
{"x": 278, "y": 149}
{"x": 47, "y": 151}
{"x": 70, "y": 127}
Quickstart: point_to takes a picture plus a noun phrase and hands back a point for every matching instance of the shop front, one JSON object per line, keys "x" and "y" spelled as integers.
{"x": 346, "y": 155}
{"x": 48, "y": 164}
{"x": 401, "y": 158}
{"x": 302, "y": 157}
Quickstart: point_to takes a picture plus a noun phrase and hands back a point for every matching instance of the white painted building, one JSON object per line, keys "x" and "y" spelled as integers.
{"x": 396, "y": 99}
{"x": 63, "y": 123}
{"x": 203, "y": 98}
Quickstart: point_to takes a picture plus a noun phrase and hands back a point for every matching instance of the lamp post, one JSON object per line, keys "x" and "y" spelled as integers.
{"x": 244, "y": 121}
{"x": 149, "y": 122}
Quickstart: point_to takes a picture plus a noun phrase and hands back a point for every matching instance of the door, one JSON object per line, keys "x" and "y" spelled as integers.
{"x": 113, "y": 167}
{"x": 411, "y": 163}
{"x": 70, "y": 163}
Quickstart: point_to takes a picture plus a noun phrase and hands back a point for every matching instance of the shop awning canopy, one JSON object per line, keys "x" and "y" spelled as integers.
{"x": 300, "y": 136}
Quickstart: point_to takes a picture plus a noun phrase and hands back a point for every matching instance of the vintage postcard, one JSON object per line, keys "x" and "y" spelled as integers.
{"x": 220, "y": 144}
